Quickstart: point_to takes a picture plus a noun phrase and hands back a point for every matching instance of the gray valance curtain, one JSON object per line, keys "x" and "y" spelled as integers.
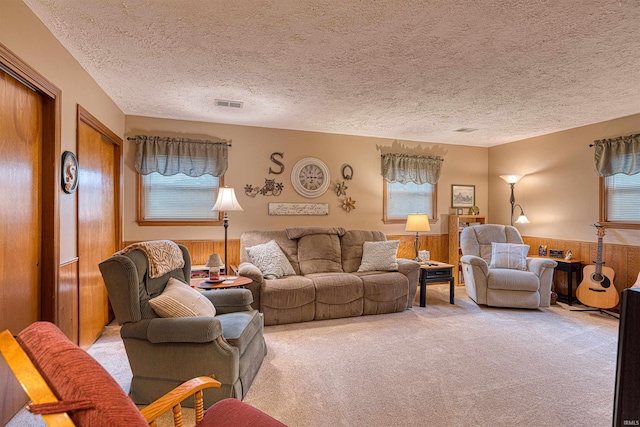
{"x": 617, "y": 155}
{"x": 405, "y": 168}
{"x": 170, "y": 156}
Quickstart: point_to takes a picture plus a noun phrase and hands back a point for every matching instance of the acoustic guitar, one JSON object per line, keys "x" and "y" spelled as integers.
{"x": 596, "y": 289}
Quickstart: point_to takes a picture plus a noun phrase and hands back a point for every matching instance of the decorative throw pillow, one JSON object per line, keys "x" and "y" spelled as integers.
{"x": 379, "y": 256}
{"x": 509, "y": 255}
{"x": 271, "y": 261}
{"x": 180, "y": 300}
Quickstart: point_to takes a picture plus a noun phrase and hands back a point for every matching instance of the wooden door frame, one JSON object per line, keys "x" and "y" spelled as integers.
{"x": 50, "y": 187}
{"x": 87, "y": 118}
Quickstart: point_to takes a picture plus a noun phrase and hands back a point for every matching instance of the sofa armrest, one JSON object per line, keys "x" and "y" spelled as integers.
{"x": 406, "y": 266}
{"x": 230, "y": 300}
{"x": 538, "y": 265}
{"x": 249, "y": 270}
{"x": 476, "y": 261}
{"x": 174, "y": 330}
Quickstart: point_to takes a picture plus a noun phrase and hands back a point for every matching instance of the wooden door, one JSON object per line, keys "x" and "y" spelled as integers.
{"x": 20, "y": 204}
{"x": 98, "y": 225}
{"x": 20, "y": 221}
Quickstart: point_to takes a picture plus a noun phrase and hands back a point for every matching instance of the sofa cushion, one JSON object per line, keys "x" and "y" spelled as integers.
{"x": 351, "y": 247}
{"x": 384, "y": 292}
{"x": 270, "y": 259}
{"x": 337, "y": 295}
{"x": 379, "y": 256}
{"x": 287, "y": 292}
{"x": 319, "y": 253}
{"x": 180, "y": 300}
{"x": 73, "y": 374}
{"x": 239, "y": 328}
{"x": 509, "y": 255}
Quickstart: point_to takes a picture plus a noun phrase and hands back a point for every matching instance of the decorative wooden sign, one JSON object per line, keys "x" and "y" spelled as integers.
{"x": 298, "y": 208}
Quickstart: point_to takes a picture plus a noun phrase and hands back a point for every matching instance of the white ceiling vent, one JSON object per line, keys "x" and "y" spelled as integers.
{"x": 227, "y": 103}
{"x": 465, "y": 130}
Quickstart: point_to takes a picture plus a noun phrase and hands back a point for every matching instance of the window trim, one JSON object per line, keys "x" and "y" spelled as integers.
{"x": 169, "y": 222}
{"x": 632, "y": 225}
{"x": 385, "y": 220}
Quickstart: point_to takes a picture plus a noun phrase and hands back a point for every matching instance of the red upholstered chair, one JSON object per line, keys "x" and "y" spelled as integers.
{"x": 68, "y": 387}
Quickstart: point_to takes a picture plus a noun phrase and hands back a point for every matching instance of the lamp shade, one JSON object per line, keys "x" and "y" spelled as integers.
{"x": 214, "y": 261}
{"x": 511, "y": 179}
{"x": 417, "y": 222}
{"x": 226, "y": 200}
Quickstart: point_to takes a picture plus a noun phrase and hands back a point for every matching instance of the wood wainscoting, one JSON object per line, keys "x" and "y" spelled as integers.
{"x": 201, "y": 249}
{"x": 624, "y": 259}
{"x": 68, "y": 308}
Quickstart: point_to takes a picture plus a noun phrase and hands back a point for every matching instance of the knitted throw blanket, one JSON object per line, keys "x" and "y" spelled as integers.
{"x": 163, "y": 256}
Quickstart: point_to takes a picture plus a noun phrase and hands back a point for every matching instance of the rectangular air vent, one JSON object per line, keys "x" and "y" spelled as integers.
{"x": 227, "y": 103}
{"x": 465, "y": 130}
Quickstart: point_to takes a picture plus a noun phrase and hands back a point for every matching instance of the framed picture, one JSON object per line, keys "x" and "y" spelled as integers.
{"x": 542, "y": 250}
{"x": 463, "y": 196}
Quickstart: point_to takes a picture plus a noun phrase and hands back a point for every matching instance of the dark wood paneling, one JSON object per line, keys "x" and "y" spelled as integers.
{"x": 68, "y": 300}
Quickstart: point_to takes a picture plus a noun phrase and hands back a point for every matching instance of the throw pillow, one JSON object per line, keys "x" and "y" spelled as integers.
{"x": 179, "y": 300}
{"x": 379, "y": 256}
{"x": 271, "y": 261}
{"x": 509, "y": 255}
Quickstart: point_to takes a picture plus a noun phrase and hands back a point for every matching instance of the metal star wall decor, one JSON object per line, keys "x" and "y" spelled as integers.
{"x": 348, "y": 204}
{"x": 341, "y": 189}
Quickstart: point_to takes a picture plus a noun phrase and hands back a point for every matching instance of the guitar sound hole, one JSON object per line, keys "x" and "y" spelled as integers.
{"x": 602, "y": 279}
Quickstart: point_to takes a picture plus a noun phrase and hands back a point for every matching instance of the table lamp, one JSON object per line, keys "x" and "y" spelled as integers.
{"x": 417, "y": 223}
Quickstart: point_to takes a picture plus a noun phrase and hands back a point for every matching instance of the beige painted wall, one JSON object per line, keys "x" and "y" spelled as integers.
{"x": 559, "y": 193}
{"x": 249, "y": 162}
{"x": 27, "y": 37}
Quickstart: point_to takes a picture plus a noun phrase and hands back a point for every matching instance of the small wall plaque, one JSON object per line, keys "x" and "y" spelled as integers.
{"x": 298, "y": 208}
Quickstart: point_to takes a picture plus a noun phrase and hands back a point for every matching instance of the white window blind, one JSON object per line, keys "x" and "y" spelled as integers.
{"x": 403, "y": 199}
{"x": 179, "y": 197}
{"x": 623, "y": 198}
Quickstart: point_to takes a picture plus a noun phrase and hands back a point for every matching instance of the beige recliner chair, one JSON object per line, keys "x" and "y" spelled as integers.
{"x": 529, "y": 287}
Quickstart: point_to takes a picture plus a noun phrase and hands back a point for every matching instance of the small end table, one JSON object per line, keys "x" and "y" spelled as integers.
{"x": 435, "y": 272}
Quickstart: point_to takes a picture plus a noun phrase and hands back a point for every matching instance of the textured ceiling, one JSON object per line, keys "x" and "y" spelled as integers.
{"x": 408, "y": 70}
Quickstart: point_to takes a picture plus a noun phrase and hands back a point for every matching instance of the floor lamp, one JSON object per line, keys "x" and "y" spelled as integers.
{"x": 226, "y": 202}
{"x": 512, "y": 180}
{"x": 417, "y": 223}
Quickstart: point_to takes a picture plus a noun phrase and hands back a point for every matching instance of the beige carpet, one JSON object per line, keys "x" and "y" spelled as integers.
{"x": 441, "y": 365}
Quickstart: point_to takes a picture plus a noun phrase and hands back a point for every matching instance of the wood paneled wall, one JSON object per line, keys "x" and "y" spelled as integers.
{"x": 625, "y": 260}
{"x": 68, "y": 313}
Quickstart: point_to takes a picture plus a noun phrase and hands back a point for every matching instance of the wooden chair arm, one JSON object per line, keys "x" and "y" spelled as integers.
{"x": 172, "y": 400}
{"x": 30, "y": 379}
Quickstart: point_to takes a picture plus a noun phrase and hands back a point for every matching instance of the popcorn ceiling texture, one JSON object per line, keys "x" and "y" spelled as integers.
{"x": 410, "y": 70}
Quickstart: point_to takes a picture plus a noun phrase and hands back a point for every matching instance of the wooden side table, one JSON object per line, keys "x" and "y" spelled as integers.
{"x": 438, "y": 273}
{"x": 236, "y": 282}
{"x": 571, "y": 267}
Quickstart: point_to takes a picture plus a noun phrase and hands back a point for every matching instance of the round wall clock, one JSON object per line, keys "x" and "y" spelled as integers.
{"x": 310, "y": 177}
{"x": 69, "y": 172}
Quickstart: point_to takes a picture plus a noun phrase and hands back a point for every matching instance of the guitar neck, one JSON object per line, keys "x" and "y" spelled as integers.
{"x": 599, "y": 257}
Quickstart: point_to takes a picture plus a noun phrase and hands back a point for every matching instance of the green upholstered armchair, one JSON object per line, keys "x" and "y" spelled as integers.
{"x": 164, "y": 352}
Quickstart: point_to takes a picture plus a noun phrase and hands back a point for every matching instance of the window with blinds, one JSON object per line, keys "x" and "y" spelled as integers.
{"x": 622, "y": 198}
{"x": 399, "y": 200}
{"x": 178, "y": 198}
